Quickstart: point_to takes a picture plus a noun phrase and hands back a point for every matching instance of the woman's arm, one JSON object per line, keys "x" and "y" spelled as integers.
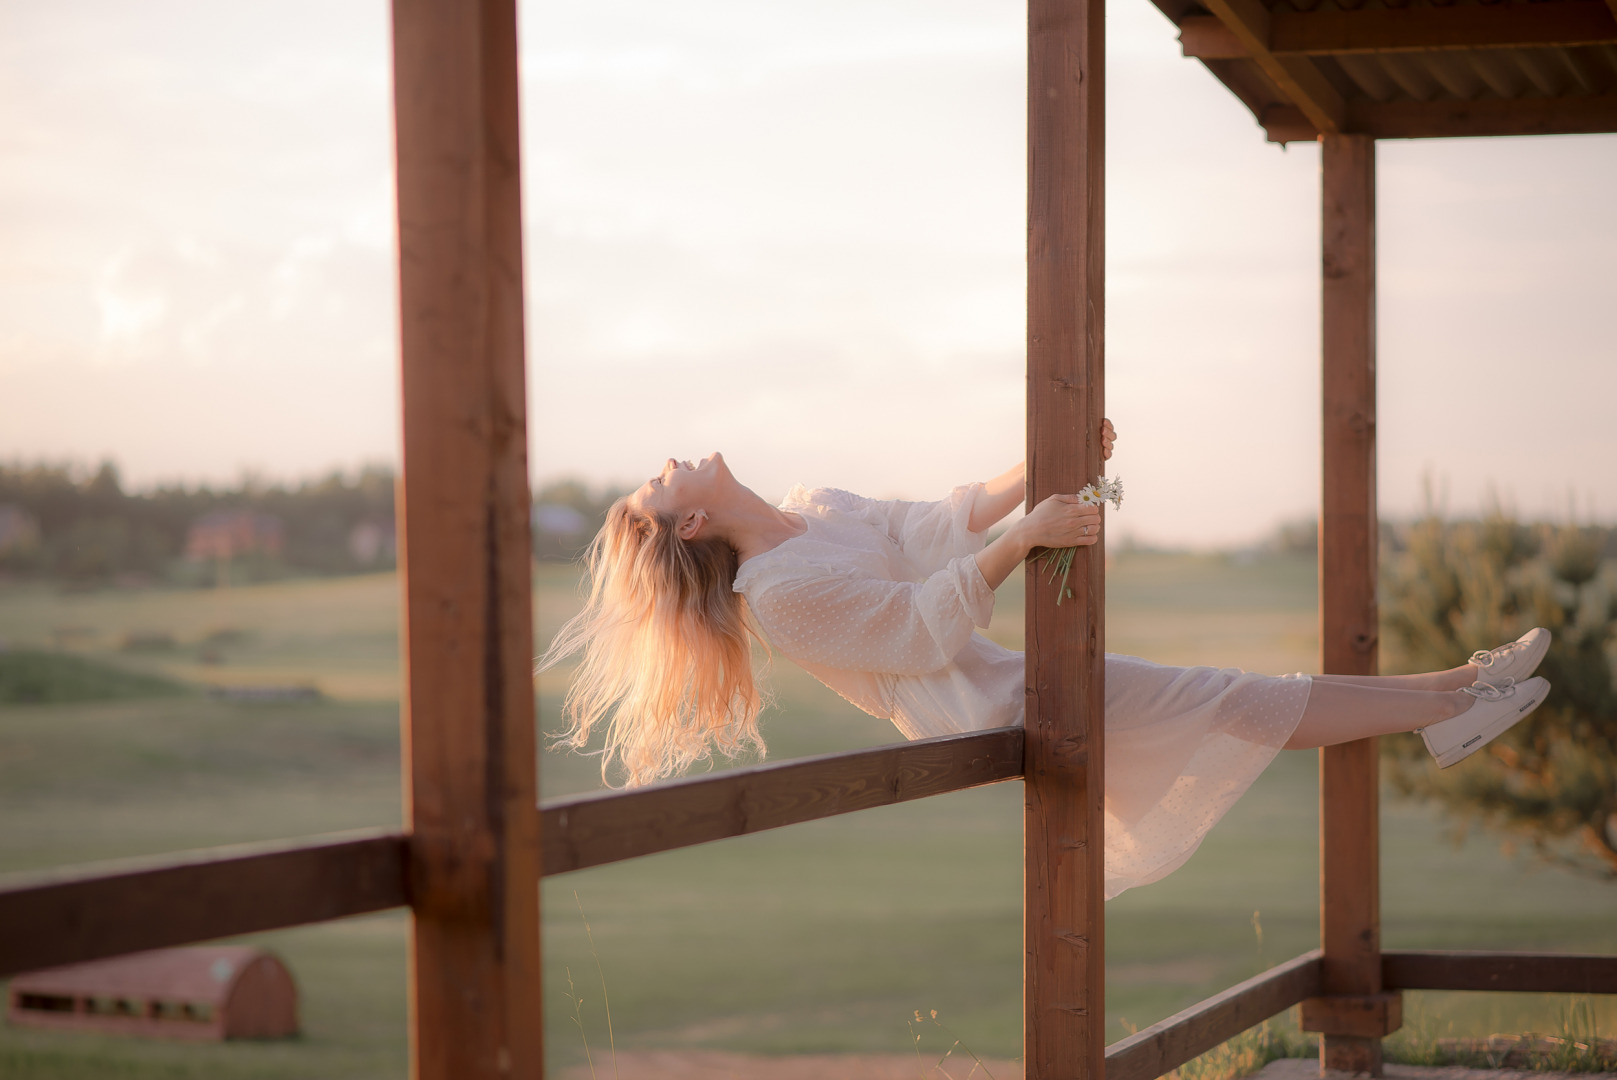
{"x": 999, "y": 497}
{"x": 1007, "y": 491}
{"x": 1057, "y": 522}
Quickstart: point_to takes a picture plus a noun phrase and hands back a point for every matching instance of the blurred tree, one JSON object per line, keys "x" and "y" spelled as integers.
{"x": 566, "y": 516}
{"x": 1551, "y": 781}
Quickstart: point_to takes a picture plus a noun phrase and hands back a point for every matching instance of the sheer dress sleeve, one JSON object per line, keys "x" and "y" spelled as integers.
{"x": 930, "y": 534}
{"x": 855, "y": 622}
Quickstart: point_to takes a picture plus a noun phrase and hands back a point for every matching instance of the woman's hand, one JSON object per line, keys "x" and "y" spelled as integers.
{"x": 1108, "y": 436}
{"x": 1061, "y": 521}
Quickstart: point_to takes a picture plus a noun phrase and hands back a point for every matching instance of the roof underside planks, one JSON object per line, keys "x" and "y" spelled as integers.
{"x": 1410, "y": 70}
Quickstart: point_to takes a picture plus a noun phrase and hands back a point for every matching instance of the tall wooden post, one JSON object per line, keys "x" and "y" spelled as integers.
{"x": 1356, "y": 1013}
{"x": 1063, "y": 930}
{"x": 469, "y": 743}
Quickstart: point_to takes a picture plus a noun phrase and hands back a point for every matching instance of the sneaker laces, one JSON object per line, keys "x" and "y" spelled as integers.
{"x": 1491, "y": 693}
{"x": 1485, "y": 658}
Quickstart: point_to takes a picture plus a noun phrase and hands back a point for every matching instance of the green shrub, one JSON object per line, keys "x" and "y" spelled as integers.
{"x": 33, "y": 677}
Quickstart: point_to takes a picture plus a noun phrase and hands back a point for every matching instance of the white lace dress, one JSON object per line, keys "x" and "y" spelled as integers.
{"x": 879, "y": 601}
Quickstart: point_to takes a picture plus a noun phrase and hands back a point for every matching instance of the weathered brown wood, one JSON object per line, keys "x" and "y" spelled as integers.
{"x": 1295, "y": 76}
{"x": 1370, "y": 1016}
{"x": 1063, "y": 934}
{"x": 1592, "y": 114}
{"x": 1587, "y": 115}
{"x": 1563, "y": 24}
{"x": 1548, "y": 973}
{"x": 109, "y": 909}
{"x": 596, "y": 829}
{"x": 1165, "y": 1046}
{"x": 1350, "y": 861}
{"x": 469, "y": 740}
{"x": 1286, "y": 123}
{"x": 1205, "y": 37}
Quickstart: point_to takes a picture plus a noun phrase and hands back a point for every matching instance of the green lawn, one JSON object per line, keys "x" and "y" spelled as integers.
{"x": 823, "y": 937}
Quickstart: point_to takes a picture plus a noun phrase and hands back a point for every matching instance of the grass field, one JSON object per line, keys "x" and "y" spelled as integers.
{"x": 822, "y": 937}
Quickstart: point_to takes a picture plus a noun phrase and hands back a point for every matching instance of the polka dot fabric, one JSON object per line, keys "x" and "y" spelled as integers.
{"x": 880, "y": 601}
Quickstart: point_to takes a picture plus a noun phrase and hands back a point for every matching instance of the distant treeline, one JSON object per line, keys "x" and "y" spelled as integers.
{"x": 80, "y": 525}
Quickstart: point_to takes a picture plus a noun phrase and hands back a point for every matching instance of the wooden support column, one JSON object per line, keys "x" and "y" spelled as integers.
{"x": 1350, "y": 856}
{"x": 1063, "y": 930}
{"x": 469, "y": 743}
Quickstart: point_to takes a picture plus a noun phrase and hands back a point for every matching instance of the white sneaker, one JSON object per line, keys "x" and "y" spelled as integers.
{"x": 1512, "y": 663}
{"x": 1497, "y": 708}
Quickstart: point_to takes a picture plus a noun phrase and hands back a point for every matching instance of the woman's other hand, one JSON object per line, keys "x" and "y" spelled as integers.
{"x": 1108, "y": 436}
{"x": 1058, "y": 522}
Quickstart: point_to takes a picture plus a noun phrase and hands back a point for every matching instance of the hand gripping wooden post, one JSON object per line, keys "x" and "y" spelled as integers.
{"x": 1063, "y": 931}
{"x": 469, "y": 743}
{"x": 1356, "y": 1013}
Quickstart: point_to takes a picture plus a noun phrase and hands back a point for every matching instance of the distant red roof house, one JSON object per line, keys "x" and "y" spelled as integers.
{"x": 19, "y": 530}
{"x": 225, "y": 534}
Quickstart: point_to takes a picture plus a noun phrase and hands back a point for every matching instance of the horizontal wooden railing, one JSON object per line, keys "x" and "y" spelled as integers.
{"x": 86, "y": 913}
{"x": 1165, "y": 1046}
{"x": 612, "y": 826}
{"x": 1567, "y": 973}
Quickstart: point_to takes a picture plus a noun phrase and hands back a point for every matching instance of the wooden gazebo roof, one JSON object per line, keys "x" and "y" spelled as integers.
{"x": 1410, "y": 69}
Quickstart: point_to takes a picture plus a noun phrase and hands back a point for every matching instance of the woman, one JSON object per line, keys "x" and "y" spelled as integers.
{"x": 880, "y": 601}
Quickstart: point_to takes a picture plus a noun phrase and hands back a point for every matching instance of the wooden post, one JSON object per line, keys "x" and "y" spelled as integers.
{"x": 471, "y": 798}
{"x": 1063, "y": 871}
{"x": 1350, "y": 855}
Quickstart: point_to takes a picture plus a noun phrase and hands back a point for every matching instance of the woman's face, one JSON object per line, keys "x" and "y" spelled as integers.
{"x": 682, "y": 487}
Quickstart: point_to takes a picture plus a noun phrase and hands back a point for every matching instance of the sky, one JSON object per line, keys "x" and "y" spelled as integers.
{"x": 793, "y": 232}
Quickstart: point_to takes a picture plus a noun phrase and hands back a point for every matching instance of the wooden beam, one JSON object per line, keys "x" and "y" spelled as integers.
{"x": 1369, "y": 1016}
{"x": 1165, "y": 1046}
{"x": 1547, "y": 973}
{"x": 1350, "y": 863}
{"x": 1063, "y": 929}
{"x": 608, "y": 827}
{"x": 1563, "y": 24}
{"x": 1205, "y": 37}
{"x": 468, "y": 728}
{"x": 1593, "y": 114}
{"x": 1296, "y": 77}
{"x": 92, "y": 912}
{"x": 1287, "y": 124}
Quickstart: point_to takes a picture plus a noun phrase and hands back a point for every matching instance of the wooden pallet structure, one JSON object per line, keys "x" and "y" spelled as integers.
{"x": 476, "y": 840}
{"x": 197, "y": 994}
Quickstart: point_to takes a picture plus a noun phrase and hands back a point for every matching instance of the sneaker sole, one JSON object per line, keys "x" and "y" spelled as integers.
{"x": 1489, "y": 733}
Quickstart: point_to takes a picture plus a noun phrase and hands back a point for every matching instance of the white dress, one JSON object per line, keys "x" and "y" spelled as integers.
{"x": 879, "y": 601}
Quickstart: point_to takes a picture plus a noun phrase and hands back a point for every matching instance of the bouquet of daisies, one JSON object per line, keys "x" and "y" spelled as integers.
{"x": 1059, "y": 560}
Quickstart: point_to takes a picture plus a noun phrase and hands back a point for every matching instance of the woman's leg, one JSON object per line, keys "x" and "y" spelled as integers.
{"x": 1452, "y": 679}
{"x": 1340, "y": 711}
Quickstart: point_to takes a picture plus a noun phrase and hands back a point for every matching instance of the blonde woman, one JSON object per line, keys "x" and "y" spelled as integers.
{"x": 880, "y": 600}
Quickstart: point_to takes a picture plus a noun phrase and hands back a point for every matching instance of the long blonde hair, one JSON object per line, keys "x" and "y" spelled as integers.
{"x": 667, "y": 650}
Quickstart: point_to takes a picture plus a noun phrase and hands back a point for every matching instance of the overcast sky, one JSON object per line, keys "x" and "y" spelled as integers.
{"x": 793, "y": 232}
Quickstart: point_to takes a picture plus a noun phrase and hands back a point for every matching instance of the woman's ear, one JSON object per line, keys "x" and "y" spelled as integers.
{"x": 691, "y": 524}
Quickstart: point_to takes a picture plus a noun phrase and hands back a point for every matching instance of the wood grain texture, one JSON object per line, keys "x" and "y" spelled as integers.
{"x": 1370, "y": 1016}
{"x": 97, "y": 911}
{"x": 1295, "y": 76}
{"x": 596, "y": 829}
{"x": 469, "y": 739}
{"x": 1165, "y": 1046}
{"x": 1563, "y": 24}
{"x": 1520, "y": 972}
{"x": 1581, "y": 115}
{"x": 1350, "y": 859}
{"x": 1063, "y": 840}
